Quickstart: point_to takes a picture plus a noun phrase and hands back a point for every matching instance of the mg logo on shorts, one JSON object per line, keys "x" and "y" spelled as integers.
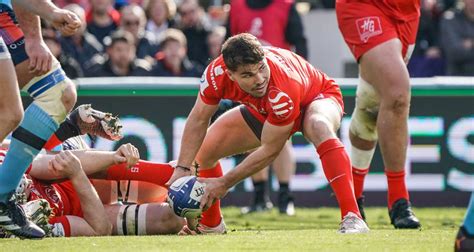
{"x": 368, "y": 27}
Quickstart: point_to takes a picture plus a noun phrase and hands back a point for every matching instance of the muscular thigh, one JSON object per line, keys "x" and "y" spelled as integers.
{"x": 384, "y": 68}
{"x": 9, "y": 94}
{"x": 228, "y": 135}
{"x": 321, "y": 120}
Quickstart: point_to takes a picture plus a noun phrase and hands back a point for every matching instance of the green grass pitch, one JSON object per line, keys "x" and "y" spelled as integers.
{"x": 309, "y": 230}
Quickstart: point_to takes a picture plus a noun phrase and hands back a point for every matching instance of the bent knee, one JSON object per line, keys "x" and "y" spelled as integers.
{"x": 319, "y": 128}
{"x": 69, "y": 96}
{"x": 11, "y": 117}
{"x": 399, "y": 104}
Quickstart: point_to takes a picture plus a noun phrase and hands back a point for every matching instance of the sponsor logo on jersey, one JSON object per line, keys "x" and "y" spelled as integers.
{"x": 281, "y": 103}
{"x": 368, "y": 27}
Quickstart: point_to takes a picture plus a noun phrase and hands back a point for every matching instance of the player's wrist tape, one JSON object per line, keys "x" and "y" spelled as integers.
{"x": 183, "y": 167}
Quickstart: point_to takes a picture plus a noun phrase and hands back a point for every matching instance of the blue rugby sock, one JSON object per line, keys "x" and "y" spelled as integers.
{"x": 469, "y": 219}
{"x": 27, "y": 140}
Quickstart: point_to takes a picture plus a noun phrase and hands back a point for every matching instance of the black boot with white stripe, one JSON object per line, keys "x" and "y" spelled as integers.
{"x": 13, "y": 220}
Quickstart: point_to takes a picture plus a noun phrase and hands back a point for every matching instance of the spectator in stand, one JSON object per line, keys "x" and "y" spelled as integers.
{"x": 161, "y": 15}
{"x": 274, "y": 23}
{"x": 119, "y": 59}
{"x": 457, "y": 39}
{"x": 215, "y": 39}
{"x": 70, "y": 66}
{"x": 172, "y": 60}
{"x": 427, "y": 60}
{"x": 81, "y": 46}
{"x": 102, "y": 19}
{"x": 196, "y": 27}
{"x": 134, "y": 20}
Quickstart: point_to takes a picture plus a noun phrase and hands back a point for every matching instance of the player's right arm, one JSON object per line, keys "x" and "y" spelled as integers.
{"x": 95, "y": 220}
{"x": 194, "y": 132}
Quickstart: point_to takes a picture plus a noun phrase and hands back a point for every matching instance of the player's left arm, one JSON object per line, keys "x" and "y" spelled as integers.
{"x": 273, "y": 139}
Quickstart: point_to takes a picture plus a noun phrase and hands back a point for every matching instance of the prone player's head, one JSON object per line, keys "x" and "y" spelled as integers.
{"x": 245, "y": 60}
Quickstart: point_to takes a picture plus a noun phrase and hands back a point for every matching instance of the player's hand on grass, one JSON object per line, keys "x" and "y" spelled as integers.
{"x": 65, "y": 164}
{"x": 65, "y": 22}
{"x": 40, "y": 57}
{"x": 215, "y": 189}
{"x": 127, "y": 153}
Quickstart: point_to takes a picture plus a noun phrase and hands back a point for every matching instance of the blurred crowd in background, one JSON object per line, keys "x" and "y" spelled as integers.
{"x": 180, "y": 37}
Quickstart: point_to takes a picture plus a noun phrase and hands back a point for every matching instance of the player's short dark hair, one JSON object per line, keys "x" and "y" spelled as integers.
{"x": 242, "y": 49}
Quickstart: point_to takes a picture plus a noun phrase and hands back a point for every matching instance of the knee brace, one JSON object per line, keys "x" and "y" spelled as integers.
{"x": 364, "y": 117}
{"x": 131, "y": 220}
{"x": 47, "y": 90}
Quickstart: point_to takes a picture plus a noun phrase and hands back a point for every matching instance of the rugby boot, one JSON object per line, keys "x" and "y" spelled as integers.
{"x": 360, "y": 204}
{"x": 286, "y": 203}
{"x": 96, "y": 123}
{"x": 352, "y": 224}
{"x": 402, "y": 216}
{"x": 464, "y": 241}
{"x": 13, "y": 220}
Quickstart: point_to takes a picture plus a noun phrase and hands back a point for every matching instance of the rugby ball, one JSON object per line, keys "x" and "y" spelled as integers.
{"x": 184, "y": 196}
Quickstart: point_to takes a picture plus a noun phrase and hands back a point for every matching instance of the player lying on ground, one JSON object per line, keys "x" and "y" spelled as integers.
{"x": 27, "y": 64}
{"x": 76, "y": 214}
{"x": 75, "y": 202}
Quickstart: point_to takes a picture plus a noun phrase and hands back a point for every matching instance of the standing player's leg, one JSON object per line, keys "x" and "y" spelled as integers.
{"x": 11, "y": 110}
{"x": 229, "y": 134}
{"x": 321, "y": 121}
{"x": 384, "y": 68}
{"x": 261, "y": 198}
{"x": 53, "y": 96}
{"x": 465, "y": 237}
{"x": 11, "y": 217}
{"x": 363, "y": 137}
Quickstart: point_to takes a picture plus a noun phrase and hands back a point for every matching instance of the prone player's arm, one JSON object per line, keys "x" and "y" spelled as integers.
{"x": 94, "y": 213}
{"x": 93, "y": 161}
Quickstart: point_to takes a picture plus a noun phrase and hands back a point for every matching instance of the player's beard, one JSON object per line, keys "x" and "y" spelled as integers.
{"x": 261, "y": 91}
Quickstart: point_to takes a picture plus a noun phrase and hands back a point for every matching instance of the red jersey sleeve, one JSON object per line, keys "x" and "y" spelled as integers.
{"x": 207, "y": 90}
